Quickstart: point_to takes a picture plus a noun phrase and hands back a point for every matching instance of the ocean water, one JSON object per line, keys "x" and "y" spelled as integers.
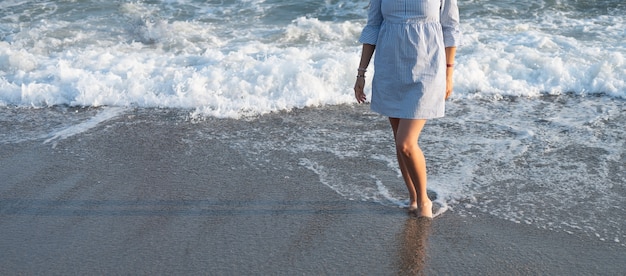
{"x": 534, "y": 132}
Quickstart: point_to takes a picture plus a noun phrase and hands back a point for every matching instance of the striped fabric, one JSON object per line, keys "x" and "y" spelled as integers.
{"x": 410, "y": 71}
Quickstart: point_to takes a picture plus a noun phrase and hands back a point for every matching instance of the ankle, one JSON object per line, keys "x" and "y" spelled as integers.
{"x": 424, "y": 202}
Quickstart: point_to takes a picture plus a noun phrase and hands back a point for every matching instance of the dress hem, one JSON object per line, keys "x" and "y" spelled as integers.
{"x": 411, "y": 117}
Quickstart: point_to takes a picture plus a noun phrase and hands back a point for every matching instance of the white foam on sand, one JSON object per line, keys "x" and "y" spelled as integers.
{"x": 104, "y": 115}
{"x": 362, "y": 190}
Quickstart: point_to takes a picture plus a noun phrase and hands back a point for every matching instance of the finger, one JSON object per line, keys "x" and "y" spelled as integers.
{"x": 360, "y": 97}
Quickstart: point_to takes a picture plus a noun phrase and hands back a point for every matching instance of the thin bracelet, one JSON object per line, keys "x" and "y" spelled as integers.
{"x": 361, "y": 69}
{"x": 450, "y": 65}
{"x": 360, "y": 76}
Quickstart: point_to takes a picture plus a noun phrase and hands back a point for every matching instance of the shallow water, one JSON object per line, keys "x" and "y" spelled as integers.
{"x": 556, "y": 163}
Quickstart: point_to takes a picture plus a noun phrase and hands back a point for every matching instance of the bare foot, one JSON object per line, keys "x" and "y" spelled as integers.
{"x": 413, "y": 209}
{"x": 426, "y": 209}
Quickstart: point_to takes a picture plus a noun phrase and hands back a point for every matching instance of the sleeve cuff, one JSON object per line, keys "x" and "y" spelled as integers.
{"x": 369, "y": 34}
{"x": 452, "y": 37}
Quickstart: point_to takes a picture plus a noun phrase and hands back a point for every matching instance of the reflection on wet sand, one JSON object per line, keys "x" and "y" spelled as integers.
{"x": 413, "y": 244}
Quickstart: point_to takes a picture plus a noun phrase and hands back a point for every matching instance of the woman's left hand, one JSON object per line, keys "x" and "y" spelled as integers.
{"x": 449, "y": 85}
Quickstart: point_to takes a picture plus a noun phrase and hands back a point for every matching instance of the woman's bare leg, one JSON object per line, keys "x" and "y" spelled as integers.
{"x": 412, "y": 163}
{"x": 405, "y": 175}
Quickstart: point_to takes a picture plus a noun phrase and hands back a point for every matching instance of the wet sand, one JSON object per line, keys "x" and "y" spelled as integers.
{"x": 150, "y": 193}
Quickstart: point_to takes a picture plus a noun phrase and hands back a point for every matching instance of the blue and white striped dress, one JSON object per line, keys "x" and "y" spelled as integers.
{"x": 410, "y": 62}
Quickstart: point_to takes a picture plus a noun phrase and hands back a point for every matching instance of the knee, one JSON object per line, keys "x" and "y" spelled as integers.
{"x": 407, "y": 149}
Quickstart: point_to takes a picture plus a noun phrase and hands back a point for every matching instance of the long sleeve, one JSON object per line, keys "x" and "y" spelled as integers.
{"x": 369, "y": 35}
{"x": 450, "y": 23}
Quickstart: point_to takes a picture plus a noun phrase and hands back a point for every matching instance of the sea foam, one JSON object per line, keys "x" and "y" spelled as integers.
{"x": 217, "y": 62}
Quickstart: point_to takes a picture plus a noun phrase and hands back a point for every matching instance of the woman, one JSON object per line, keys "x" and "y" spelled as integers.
{"x": 415, "y": 43}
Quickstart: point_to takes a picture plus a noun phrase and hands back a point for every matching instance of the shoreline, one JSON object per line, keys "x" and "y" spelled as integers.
{"x": 149, "y": 193}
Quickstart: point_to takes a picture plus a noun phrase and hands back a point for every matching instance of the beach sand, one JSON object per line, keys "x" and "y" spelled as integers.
{"x": 151, "y": 192}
